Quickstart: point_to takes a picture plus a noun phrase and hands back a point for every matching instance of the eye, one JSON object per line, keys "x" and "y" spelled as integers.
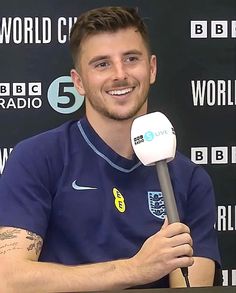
{"x": 101, "y": 65}
{"x": 131, "y": 59}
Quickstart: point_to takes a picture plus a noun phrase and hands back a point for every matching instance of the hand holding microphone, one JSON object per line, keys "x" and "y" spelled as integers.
{"x": 154, "y": 142}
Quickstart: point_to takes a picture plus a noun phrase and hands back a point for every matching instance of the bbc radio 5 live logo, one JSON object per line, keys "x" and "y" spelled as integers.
{"x": 60, "y": 94}
{"x": 150, "y": 135}
{"x": 202, "y": 29}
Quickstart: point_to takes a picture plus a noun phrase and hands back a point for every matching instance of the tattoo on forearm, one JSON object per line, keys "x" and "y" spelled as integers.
{"x": 8, "y": 247}
{"x": 9, "y": 234}
{"x": 37, "y": 242}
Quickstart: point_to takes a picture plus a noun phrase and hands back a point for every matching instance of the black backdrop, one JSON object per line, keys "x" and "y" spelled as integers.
{"x": 195, "y": 42}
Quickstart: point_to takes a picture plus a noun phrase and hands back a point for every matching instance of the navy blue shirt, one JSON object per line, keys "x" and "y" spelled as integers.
{"x": 89, "y": 204}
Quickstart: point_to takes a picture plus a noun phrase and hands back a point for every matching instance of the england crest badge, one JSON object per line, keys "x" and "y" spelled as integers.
{"x": 156, "y": 204}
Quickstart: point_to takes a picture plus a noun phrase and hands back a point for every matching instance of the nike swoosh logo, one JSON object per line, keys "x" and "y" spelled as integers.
{"x": 79, "y": 187}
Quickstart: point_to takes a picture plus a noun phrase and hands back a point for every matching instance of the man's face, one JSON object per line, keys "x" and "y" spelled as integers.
{"x": 115, "y": 72}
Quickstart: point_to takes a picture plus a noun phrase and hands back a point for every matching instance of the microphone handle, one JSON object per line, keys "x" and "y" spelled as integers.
{"x": 169, "y": 200}
{"x": 167, "y": 190}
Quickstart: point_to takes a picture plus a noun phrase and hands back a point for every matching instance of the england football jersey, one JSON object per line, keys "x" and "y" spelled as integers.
{"x": 90, "y": 205}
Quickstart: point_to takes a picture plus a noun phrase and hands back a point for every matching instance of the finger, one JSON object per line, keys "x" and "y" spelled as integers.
{"x": 182, "y": 250}
{"x": 183, "y": 261}
{"x": 176, "y": 229}
{"x": 165, "y": 224}
{"x": 181, "y": 239}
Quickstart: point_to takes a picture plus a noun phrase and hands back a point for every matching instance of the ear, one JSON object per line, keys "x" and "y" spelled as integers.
{"x": 76, "y": 78}
{"x": 153, "y": 68}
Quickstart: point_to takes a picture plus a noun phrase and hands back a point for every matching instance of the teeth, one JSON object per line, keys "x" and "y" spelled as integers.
{"x": 120, "y": 92}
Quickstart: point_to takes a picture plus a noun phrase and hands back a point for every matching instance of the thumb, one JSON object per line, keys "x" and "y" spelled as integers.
{"x": 165, "y": 224}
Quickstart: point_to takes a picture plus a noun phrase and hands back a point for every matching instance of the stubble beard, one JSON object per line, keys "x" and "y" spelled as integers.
{"x": 102, "y": 110}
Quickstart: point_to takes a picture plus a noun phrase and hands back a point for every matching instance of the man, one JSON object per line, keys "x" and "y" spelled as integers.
{"x": 75, "y": 200}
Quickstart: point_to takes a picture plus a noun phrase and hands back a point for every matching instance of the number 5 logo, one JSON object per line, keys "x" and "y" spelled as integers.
{"x": 63, "y": 97}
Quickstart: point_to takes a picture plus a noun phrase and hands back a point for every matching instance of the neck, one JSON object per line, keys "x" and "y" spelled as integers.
{"x": 115, "y": 133}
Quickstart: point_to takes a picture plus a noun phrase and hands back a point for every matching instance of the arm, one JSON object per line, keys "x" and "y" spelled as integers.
{"x": 200, "y": 217}
{"x": 201, "y": 274}
{"x": 20, "y": 270}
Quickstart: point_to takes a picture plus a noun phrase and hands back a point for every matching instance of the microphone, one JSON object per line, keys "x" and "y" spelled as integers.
{"x": 154, "y": 142}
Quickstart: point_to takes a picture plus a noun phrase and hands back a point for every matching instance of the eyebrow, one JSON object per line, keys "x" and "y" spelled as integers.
{"x": 98, "y": 58}
{"x": 105, "y": 57}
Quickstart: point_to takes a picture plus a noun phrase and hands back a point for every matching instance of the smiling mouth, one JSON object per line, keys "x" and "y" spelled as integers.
{"x": 120, "y": 92}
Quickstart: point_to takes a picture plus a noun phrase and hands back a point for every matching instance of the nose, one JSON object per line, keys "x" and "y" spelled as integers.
{"x": 119, "y": 71}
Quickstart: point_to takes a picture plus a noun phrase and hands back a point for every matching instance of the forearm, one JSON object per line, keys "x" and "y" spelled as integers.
{"x": 29, "y": 276}
{"x": 20, "y": 270}
{"x": 201, "y": 274}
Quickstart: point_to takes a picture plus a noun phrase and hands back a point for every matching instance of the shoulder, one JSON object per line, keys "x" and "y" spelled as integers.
{"x": 182, "y": 167}
{"x": 49, "y": 137}
{"x": 45, "y": 152}
{"x": 182, "y": 161}
{"x": 50, "y": 142}
{"x": 41, "y": 158}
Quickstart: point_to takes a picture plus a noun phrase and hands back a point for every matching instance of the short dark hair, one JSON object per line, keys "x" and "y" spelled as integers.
{"x": 105, "y": 19}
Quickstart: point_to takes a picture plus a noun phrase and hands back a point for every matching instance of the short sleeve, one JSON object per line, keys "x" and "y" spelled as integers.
{"x": 201, "y": 215}
{"x": 26, "y": 189}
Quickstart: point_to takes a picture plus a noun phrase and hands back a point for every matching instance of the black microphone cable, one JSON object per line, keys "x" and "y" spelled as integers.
{"x": 185, "y": 275}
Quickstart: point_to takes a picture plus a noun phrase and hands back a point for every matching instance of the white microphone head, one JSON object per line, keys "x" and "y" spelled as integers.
{"x": 153, "y": 138}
